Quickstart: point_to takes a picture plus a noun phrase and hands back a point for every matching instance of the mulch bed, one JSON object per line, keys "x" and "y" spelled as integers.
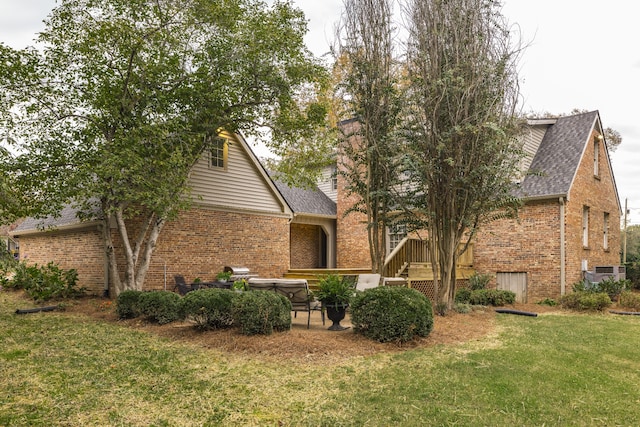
{"x": 315, "y": 343}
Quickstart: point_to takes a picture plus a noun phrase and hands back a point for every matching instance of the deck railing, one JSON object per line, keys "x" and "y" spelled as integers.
{"x": 410, "y": 251}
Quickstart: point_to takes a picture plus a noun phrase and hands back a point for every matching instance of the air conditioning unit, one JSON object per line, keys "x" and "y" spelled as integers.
{"x": 616, "y": 272}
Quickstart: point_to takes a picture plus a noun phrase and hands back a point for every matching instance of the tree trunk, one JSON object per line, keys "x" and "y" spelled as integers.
{"x": 137, "y": 257}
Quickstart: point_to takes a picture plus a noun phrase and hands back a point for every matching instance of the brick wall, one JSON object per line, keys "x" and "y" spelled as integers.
{"x": 197, "y": 244}
{"x": 598, "y": 193}
{"x": 532, "y": 243}
{"x": 352, "y": 243}
{"x": 201, "y": 242}
{"x": 80, "y": 249}
{"x": 305, "y": 246}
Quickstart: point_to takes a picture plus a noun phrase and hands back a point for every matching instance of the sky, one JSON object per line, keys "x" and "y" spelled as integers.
{"x": 579, "y": 54}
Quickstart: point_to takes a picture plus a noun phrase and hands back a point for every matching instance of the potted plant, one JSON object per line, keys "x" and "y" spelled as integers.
{"x": 223, "y": 276}
{"x": 335, "y": 294}
{"x": 240, "y": 285}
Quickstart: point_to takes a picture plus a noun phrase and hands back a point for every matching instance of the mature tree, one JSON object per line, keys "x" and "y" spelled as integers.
{"x": 123, "y": 96}
{"x": 369, "y": 151}
{"x": 462, "y": 123}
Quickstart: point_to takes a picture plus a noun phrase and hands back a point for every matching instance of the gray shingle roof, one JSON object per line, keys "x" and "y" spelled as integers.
{"x": 306, "y": 201}
{"x": 68, "y": 216}
{"x": 556, "y": 161}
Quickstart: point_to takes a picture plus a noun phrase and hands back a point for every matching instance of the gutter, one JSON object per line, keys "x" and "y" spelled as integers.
{"x": 53, "y": 229}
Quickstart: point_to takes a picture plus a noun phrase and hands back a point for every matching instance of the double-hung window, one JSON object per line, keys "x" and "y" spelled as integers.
{"x": 218, "y": 154}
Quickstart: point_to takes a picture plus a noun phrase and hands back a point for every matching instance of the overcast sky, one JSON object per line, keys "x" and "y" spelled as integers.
{"x": 581, "y": 54}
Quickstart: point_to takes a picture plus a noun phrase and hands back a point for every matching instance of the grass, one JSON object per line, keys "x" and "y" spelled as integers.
{"x": 59, "y": 369}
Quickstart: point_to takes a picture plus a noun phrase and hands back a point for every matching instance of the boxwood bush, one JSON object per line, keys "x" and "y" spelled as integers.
{"x": 630, "y": 300}
{"x": 160, "y": 306}
{"x": 493, "y": 297}
{"x": 586, "y": 301}
{"x": 128, "y": 304}
{"x": 209, "y": 308}
{"x": 391, "y": 313}
{"x": 261, "y": 312}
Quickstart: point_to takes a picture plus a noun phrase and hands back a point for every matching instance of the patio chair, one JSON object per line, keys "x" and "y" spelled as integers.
{"x": 367, "y": 281}
{"x": 181, "y": 285}
{"x": 295, "y": 290}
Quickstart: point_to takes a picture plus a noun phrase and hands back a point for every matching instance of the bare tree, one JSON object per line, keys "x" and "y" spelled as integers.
{"x": 369, "y": 87}
{"x": 462, "y": 124}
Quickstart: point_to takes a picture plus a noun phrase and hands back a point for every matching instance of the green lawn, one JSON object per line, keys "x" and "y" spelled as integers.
{"x": 66, "y": 370}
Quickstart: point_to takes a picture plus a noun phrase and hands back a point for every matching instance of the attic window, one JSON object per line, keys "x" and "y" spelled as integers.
{"x": 218, "y": 154}
{"x": 334, "y": 178}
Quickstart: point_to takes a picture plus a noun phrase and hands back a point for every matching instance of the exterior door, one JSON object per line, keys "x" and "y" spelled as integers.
{"x": 514, "y": 282}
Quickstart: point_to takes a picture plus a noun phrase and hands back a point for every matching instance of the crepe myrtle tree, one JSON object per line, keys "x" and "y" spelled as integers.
{"x": 370, "y": 90}
{"x": 461, "y": 125}
{"x": 120, "y": 97}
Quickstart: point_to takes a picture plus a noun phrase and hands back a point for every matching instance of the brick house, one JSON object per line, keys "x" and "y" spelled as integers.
{"x": 243, "y": 217}
{"x": 239, "y": 217}
{"x": 568, "y": 223}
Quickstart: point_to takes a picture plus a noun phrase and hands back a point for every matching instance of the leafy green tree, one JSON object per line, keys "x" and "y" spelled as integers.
{"x": 369, "y": 154}
{"x": 462, "y": 124}
{"x": 123, "y": 96}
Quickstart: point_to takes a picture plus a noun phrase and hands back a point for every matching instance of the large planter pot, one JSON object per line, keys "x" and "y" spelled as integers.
{"x": 335, "y": 313}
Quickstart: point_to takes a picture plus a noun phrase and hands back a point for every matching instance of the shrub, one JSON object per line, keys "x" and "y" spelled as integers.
{"x": 46, "y": 282}
{"x": 610, "y": 286}
{"x": 629, "y": 299}
{"x": 209, "y": 308}
{"x": 261, "y": 312}
{"x": 613, "y": 287}
{"x": 128, "y": 304}
{"x": 548, "y": 301}
{"x": 390, "y": 313}
{"x": 493, "y": 297}
{"x": 586, "y": 301}
{"x": 479, "y": 281}
{"x": 160, "y": 306}
{"x": 462, "y": 308}
{"x": 463, "y": 296}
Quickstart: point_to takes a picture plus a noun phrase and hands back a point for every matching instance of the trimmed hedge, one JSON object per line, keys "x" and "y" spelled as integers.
{"x": 128, "y": 304}
{"x": 493, "y": 297}
{"x": 261, "y": 312}
{"x": 586, "y": 301}
{"x": 391, "y": 313}
{"x": 209, "y": 308}
{"x": 160, "y": 306}
{"x": 630, "y": 299}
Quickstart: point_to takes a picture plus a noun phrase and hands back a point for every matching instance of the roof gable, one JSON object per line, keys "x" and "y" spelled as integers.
{"x": 306, "y": 201}
{"x": 556, "y": 161}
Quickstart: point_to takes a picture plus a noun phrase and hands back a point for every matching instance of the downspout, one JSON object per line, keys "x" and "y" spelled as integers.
{"x": 562, "y": 248}
{"x": 105, "y": 290}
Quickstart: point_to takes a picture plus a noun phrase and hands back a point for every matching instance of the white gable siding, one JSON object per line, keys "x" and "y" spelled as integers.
{"x": 532, "y": 138}
{"x": 239, "y": 186}
{"x": 326, "y": 183}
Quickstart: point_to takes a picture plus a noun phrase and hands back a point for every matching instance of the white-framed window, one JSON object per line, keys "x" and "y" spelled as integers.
{"x": 585, "y": 226}
{"x": 396, "y": 234}
{"x": 605, "y": 231}
{"x": 596, "y": 157}
{"x": 334, "y": 177}
{"x": 218, "y": 154}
